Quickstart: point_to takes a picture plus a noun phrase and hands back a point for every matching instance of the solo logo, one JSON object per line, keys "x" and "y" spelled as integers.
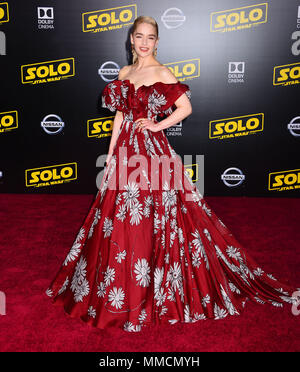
{"x": 237, "y": 126}
{"x": 100, "y": 127}
{"x": 8, "y": 121}
{"x": 189, "y": 68}
{"x": 51, "y": 175}
{"x": 287, "y": 74}
{"x": 45, "y": 72}
{"x": 4, "y": 12}
{"x": 109, "y": 19}
{"x": 238, "y": 18}
{"x": 285, "y": 180}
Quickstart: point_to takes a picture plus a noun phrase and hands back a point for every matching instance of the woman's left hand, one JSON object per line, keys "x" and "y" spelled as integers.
{"x": 145, "y": 123}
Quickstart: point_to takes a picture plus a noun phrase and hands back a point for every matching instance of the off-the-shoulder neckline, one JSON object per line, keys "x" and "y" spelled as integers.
{"x": 148, "y": 86}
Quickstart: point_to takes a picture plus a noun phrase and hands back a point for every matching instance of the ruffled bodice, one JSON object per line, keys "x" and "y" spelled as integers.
{"x": 146, "y": 101}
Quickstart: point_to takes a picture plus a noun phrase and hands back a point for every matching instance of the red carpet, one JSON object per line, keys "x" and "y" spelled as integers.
{"x": 37, "y": 232}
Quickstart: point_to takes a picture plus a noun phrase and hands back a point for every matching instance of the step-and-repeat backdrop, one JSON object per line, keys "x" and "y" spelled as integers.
{"x": 241, "y": 59}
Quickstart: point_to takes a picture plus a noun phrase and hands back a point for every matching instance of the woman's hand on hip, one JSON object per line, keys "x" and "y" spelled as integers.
{"x": 145, "y": 123}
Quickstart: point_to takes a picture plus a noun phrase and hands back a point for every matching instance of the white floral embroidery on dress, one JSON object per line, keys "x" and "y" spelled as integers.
{"x": 80, "y": 285}
{"x": 205, "y": 300}
{"x": 130, "y": 327}
{"x": 101, "y": 289}
{"x": 136, "y": 213}
{"x": 109, "y": 275}
{"x": 120, "y": 256}
{"x": 200, "y": 247}
{"x": 219, "y": 313}
{"x": 142, "y": 271}
{"x": 116, "y": 297}
{"x": 75, "y": 250}
{"x": 131, "y": 194}
{"x": 64, "y": 286}
{"x": 49, "y": 292}
{"x": 107, "y": 227}
{"x": 95, "y": 221}
{"x": 92, "y": 312}
{"x": 156, "y": 101}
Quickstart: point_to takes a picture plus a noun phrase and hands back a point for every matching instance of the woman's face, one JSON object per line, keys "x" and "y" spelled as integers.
{"x": 144, "y": 39}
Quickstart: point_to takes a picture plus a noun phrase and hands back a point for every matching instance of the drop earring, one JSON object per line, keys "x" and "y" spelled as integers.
{"x": 134, "y": 55}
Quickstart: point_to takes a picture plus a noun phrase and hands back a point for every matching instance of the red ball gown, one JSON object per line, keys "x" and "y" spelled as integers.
{"x": 149, "y": 252}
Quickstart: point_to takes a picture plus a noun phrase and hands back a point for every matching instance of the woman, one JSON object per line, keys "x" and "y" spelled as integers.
{"x": 151, "y": 250}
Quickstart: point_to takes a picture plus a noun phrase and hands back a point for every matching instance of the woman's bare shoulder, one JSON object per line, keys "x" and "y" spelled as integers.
{"x": 123, "y": 72}
{"x": 166, "y": 75}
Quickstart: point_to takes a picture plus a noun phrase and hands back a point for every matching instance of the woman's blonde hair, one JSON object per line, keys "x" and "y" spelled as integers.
{"x": 139, "y": 20}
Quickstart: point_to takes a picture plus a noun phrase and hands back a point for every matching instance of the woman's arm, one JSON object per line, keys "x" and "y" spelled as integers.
{"x": 115, "y": 133}
{"x": 183, "y": 104}
{"x": 184, "y": 109}
{"x": 116, "y": 126}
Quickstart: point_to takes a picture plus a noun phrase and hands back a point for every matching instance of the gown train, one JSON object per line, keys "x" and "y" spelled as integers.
{"x": 151, "y": 250}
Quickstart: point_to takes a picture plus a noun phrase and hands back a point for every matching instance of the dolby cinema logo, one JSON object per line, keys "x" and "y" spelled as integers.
{"x": 174, "y": 130}
{"x": 109, "y": 71}
{"x": 173, "y": 18}
{"x": 233, "y": 177}
{"x": 45, "y": 17}
{"x": 294, "y": 126}
{"x": 236, "y": 72}
{"x": 52, "y": 124}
